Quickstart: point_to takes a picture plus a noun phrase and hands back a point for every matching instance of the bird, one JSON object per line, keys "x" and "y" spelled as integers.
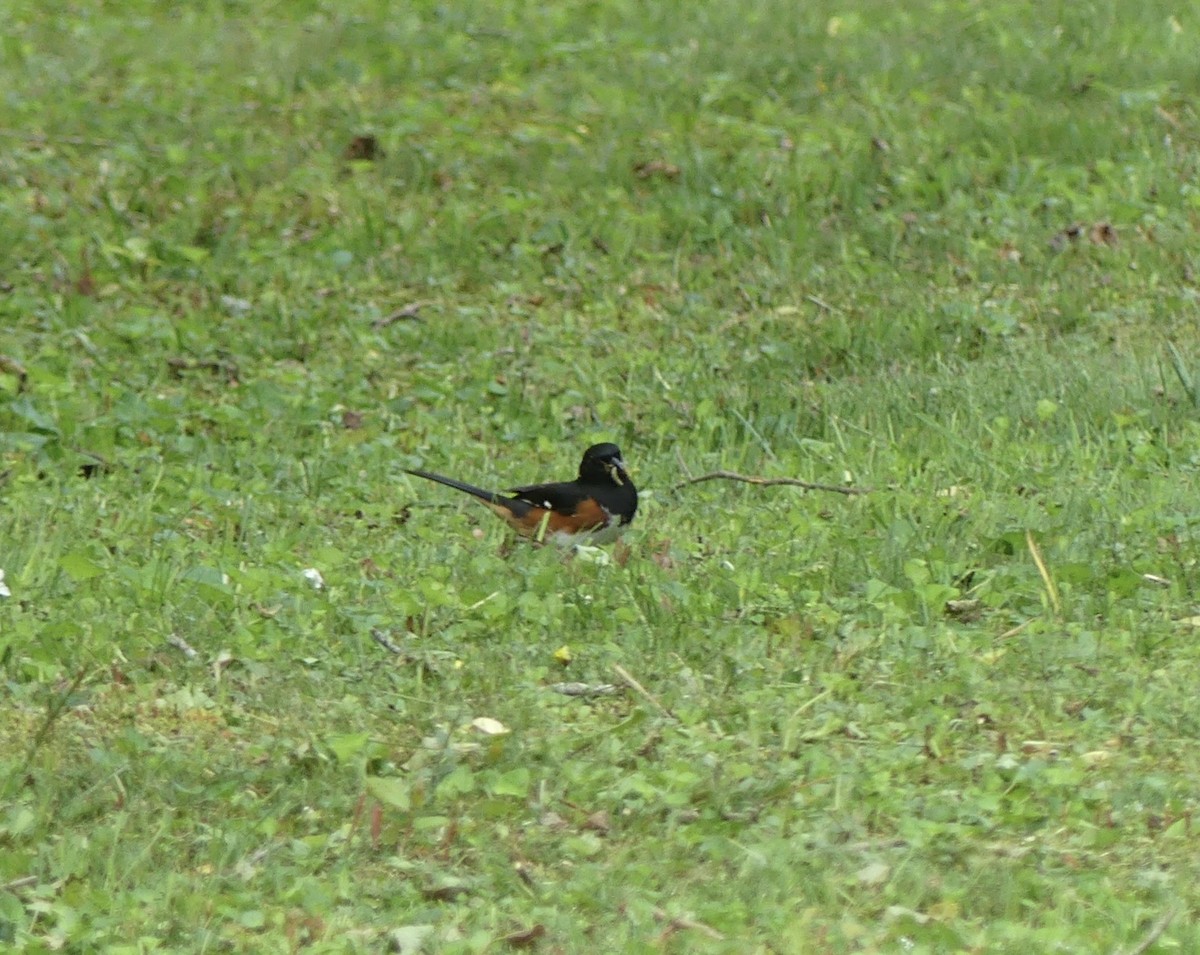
{"x": 596, "y": 508}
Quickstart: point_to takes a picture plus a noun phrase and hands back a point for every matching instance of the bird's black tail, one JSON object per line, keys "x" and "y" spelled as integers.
{"x": 514, "y": 506}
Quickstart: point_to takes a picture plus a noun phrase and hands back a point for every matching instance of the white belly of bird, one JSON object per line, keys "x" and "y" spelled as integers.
{"x": 604, "y": 533}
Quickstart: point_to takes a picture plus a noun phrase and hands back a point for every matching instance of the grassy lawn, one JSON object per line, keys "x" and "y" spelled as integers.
{"x": 258, "y": 259}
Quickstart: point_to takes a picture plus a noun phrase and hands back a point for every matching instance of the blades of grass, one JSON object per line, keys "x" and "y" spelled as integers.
{"x": 1047, "y": 580}
{"x": 1181, "y": 370}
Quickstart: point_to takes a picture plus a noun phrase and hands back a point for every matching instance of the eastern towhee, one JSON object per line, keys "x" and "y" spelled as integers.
{"x": 595, "y": 508}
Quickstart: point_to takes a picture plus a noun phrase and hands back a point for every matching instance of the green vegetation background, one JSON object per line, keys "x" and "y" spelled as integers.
{"x": 256, "y": 259}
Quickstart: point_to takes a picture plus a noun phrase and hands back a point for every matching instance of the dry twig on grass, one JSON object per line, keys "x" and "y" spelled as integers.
{"x": 641, "y": 690}
{"x": 1151, "y": 936}
{"x": 771, "y": 482}
{"x": 176, "y": 641}
{"x": 385, "y": 641}
{"x": 410, "y": 312}
{"x": 678, "y": 923}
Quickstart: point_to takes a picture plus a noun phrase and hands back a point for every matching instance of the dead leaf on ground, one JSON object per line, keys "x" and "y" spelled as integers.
{"x": 598, "y": 821}
{"x": 302, "y": 929}
{"x": 409, "y": 939}
{"x": 363, "y": 148}
{"x": 1099, "y": 233}
{"x": 1064, "y": 237}
{"x": 1009, "y": 253}
{"x": 583, "y": 689}
{"x": 446, "y": 891}
{"x": 874, "y": 873}
{"x": 352, "y": 420}
{"x": 10, "y": 366}
{"x": 1102, "y": 233}
{"x": 679, "y": 923}
{"x": 411, "y": 312}
{"x": 525, "y": 937}
{"x": 656, "y": 168}
{"x": 489, "y": 726}
{"x": 964, "y": 610}
{"x": 385, "y": 640}
{"x": 535, "y": 300}
{"x": 85, "y": 283}
{"x": 661, "y": 555}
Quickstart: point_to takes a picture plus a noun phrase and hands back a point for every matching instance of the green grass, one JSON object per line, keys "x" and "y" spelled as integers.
{"x": 803, "y": 240}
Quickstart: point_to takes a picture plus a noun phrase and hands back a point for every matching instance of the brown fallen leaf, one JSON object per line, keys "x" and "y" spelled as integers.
{"x": 411, "y": 312}
{"x": 446, "y": 892}
{"x": 303, "y": 930}
{"x": 363, "y": 149}
{"x": 661, "y": 554}
{"x": 656, "y": 168}
{"x": 1009, "y": 253}
{"x": 85, "y": 284}
{"x": 352, "y": 420}
{"x": 1064, "y": 237}
{"x": 584, "y": 689}
{"x": 679, "y": 923}
{"x": 964, "y": 610}
{"x": 1099, "y": 233}
{"x": 371, "y": 569}
{"x": 10, "y": 366}
{"x": 1102, "y": 233}
{"x": 526, "y": 937}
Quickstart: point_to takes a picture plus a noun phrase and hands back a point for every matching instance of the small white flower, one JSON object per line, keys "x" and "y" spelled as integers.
{"x": 4, "y": 591}
{"x": 313, "y": 576}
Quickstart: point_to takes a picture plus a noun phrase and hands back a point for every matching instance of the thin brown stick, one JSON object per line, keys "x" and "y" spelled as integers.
{"x": 43, "y": 139}
{"x": 677, "y": 922}
{"x": 176, "y": 641}
{"x": 385, "y": 641}
{"x": 411, "y": 312}
{"x": 1044, "y": 571}
{"x": 1151, "y": 936}
{"x": 641, "y": 690}
{"x": 1013, "y": 631}
{"x": 772, "y": 482}
{"x": 822, "y": 304}
{"x": 687, "y": 472}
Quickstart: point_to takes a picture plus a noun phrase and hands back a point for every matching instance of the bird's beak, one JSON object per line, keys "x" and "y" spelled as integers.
{"x": 616, "y": 467}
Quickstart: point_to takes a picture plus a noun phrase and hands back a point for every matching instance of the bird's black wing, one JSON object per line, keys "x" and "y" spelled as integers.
{"x": 563, "y": 497}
